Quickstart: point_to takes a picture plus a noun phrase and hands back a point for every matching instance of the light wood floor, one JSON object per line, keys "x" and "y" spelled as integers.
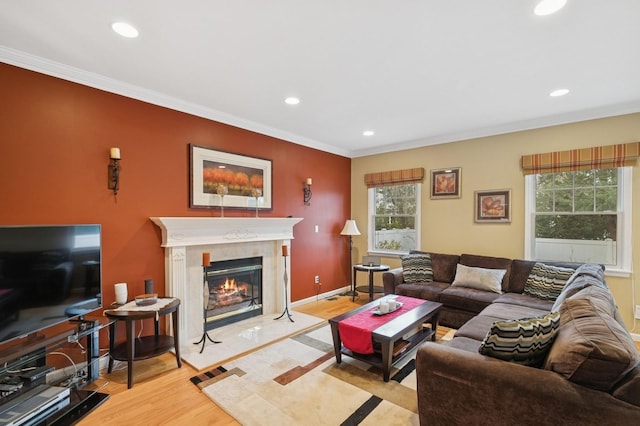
{"x": 163, "y": 394}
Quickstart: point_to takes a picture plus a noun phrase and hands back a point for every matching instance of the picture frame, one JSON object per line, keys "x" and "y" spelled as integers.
{"x": 445, "y": 183}
{"x": 248, "y": 180}
{"x": 493, "y": 206}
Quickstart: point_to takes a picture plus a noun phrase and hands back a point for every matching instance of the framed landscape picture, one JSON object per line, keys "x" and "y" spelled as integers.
{"x": 445, "y": 183}
{"x": 493, "y": 206}
{"x": 222, "y": 179}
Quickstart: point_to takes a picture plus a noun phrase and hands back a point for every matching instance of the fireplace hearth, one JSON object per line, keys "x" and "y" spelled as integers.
{"x": 233, "y": 291}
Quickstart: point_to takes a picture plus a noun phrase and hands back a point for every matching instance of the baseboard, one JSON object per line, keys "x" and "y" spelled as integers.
{"x": 320, "y": 296}
{"x": 635, "y": 337}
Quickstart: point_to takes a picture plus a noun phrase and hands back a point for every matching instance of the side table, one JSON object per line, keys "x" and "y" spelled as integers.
{"x": 371, "y": 269}
{"x": 146, "y": 346}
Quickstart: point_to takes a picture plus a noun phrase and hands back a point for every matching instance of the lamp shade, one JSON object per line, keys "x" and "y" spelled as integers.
{"x": 350, "y": 228}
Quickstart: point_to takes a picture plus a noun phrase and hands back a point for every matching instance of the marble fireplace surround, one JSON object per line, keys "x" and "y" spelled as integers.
{"x": 186, "y": 238}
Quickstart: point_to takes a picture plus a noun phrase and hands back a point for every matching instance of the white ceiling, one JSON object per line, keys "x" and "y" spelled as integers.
{"x": 417, "y": 72}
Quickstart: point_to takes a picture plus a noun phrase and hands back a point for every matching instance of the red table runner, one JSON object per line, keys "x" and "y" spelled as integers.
{"x": 355, "y": 331}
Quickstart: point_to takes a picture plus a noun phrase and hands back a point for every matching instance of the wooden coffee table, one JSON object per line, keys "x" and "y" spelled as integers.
{"x": 393, "y": 347}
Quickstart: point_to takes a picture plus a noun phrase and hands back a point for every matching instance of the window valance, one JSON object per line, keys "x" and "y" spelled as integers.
{"x": 599, "y": 157}
{"x": 395, "y": 177}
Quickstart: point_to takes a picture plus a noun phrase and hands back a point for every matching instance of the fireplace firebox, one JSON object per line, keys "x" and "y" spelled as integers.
{"x": 233, "y": 291}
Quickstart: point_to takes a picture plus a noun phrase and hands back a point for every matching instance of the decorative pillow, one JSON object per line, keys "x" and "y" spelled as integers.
{"x": 416, "y": 268}
{"x": 525, "y": 341}
{"x": 546, "y": 282}
{"x": 592, "y": 348}
{"x": 479, "y": 278}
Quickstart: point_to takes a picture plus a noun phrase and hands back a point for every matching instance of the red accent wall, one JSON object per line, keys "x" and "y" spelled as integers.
{"x": 55, "y": 137}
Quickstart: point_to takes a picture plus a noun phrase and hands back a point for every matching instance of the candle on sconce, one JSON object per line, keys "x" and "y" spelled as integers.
{"x": 285, "y": 250}
{"x": 114, "y": 154}
{"x": 309, "y": 181}
{"x": 206, "y": 259}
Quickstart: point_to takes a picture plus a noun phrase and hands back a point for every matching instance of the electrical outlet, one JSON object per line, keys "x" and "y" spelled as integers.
{"x": 637, "y": 315}
{"x": 317, "y": 279}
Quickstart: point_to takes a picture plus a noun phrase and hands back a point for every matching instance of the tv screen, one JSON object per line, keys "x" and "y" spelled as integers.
{"x": 48, "y": 275}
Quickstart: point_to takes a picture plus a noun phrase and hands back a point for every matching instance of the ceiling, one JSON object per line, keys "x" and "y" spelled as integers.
{"x": 417, "y": 72}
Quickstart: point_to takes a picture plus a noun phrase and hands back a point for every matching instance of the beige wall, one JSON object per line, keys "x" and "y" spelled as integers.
{"x": 494, "y": 163}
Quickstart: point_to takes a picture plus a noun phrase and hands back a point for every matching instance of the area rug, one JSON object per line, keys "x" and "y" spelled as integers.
{"x": 297, "y": 381}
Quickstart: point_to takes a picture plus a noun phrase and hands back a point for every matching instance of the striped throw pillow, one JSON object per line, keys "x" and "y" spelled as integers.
{"x": 416, "y": 268}
{"x": 525, "y": 341}
{"x": 546, "y": 282}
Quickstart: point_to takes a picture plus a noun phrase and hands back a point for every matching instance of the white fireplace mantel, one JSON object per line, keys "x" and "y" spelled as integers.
{"x": 195, "y": 231}
{"x": 186, "y": 238}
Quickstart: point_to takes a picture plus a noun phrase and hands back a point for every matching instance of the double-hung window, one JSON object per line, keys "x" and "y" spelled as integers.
{"x": 580, "y": 214}
{"x": 394, "y": 211}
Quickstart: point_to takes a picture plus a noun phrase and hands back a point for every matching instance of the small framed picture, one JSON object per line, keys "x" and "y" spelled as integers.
{"x": 445, "y": 183}
{"x": 493, "y": 206}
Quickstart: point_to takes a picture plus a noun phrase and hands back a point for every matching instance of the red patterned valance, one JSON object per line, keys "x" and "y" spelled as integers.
{"x": 599, "y": 157}
{"x": 395, "y": 177}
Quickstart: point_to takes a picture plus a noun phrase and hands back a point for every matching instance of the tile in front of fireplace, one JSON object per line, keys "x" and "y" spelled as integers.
{"x": 243, "y": 336}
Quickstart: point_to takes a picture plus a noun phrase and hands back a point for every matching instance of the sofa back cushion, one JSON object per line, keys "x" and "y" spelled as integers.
{"x": 443, "y": 265}
{"x": 547, "y": 281}
{"x": 592, "y": 348}
{"x": 585, "y": 276}
{"x": 489, "y": 262}
{"x": 416, "y": 268}
{"x": 525, "y": 341}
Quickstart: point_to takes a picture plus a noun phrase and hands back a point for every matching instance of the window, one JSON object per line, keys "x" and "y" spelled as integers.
{"x": 394, "y": 218}
{"x": 580, "y": 216}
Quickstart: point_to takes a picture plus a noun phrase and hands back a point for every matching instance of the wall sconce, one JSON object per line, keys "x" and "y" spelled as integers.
{"x": 113, "y": 182}
{"x": 306, "y": 188}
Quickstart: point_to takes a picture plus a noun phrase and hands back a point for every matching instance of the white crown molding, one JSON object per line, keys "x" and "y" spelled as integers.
{"x": 97, "y": 81}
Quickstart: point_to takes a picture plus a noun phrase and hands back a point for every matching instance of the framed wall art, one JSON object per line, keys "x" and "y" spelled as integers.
{"x": 222, "y": 179}
{"x": 493, "y": 206}
{"x": 445, "y": 183}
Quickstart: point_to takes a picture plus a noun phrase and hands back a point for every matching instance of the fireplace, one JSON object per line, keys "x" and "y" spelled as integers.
{"x": 233, "y": 291}
{"x": 186, "y": 238}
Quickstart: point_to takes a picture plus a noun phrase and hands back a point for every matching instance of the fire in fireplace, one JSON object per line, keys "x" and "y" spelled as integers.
{"x": 233, "y": 291}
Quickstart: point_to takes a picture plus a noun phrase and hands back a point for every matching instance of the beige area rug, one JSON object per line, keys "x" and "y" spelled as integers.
{"x": 244, "y": 336}
{"x": 297, "y": 381}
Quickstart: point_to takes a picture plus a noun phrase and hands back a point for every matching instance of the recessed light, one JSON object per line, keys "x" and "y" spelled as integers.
{"x": 291, "y": 100}
{"x": 368, "y": 133}
{"x": 547, "y": 7}
{"x": 124, "y": 29}
{"x": 559, "y": 92}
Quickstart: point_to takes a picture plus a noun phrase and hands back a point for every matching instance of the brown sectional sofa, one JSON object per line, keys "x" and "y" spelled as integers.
{"x": 590, "y": 375}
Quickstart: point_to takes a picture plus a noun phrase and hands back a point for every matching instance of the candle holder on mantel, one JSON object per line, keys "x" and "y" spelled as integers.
{"x": 256, "y": 193}
{"x": 285, "y": 253}
{"x": 222, "y": 190}
{"x": 206, "y": 261}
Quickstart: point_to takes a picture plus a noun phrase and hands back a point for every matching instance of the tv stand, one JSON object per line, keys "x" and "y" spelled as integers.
{"x": 33, "y": 353}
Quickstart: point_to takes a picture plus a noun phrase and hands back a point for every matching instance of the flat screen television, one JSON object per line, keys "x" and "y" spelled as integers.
{"x": 48, "y": 275}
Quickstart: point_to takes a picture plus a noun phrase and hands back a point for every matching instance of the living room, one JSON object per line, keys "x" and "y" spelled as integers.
{"x": 57, "y": 135}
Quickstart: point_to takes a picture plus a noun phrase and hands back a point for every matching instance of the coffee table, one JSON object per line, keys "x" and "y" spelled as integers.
{"x": 394, "y": 347}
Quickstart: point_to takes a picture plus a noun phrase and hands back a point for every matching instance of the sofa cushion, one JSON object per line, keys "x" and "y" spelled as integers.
{"x": 505, "y": 311}
{"x": 464, "y": 343}
{"x": 524, "y": 300}
{"x": 416, "y": 268}
{"x": 592, "y": 348}
{"x": 429, "y": 291}
{"x": 467, "y": 299}
{"x": 546, "y": 282}
{"x": 524, "y": 341}
{"x": 585, "y": 276}
{"x": 479, "y": 278}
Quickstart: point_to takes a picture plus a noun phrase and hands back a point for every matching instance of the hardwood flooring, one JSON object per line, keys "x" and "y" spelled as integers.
{"x": 163, "y": 394}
